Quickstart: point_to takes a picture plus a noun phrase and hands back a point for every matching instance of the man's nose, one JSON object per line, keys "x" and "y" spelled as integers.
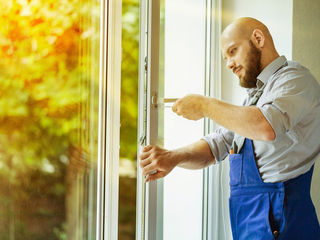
{"x": 230, "y": 63}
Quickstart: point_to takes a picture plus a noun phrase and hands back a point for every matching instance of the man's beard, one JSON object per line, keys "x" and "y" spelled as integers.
{"x": 252, "y": 67}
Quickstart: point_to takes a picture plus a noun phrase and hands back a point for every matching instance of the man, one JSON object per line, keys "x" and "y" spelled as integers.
{"x": 273, "y": 139}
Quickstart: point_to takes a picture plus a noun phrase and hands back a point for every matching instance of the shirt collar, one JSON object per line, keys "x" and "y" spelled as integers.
{"x": 267, "y": 72}
{"x": 271, "y": 69}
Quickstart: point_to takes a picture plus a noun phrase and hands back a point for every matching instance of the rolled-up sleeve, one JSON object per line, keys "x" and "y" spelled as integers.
{"x": 287, "y": 102}
{"x": 219, "y": 142}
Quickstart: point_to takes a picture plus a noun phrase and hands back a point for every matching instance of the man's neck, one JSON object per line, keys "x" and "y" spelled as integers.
{"x": 267, "y": 59}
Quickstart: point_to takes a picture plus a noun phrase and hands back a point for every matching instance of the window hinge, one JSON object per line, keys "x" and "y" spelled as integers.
{"x": 146, "y": 64}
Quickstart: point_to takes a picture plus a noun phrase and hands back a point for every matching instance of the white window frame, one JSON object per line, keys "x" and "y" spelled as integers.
{"x": 150, "y": 196}
{"x": 109, "y": 120}
{"x": 212, "y": 88}
{"x": 216, "y": 189}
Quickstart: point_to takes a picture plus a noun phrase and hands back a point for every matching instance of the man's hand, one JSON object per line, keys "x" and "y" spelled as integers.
{"x": 190, "y": 107}
{"x": 158, "y": 160}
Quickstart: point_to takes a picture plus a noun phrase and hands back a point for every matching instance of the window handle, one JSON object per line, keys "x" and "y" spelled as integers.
{"x": 159, "y": 102}
{"x": 170, "y": 100}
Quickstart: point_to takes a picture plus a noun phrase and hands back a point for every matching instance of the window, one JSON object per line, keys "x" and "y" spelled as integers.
{"x": 177, "y": 39}
{"x": 60, "y": 71}
{"x": 184, "y": 73}
{"x": 49, "y": 122}
{"x": 172, "y": 205}
{"x": 128, "y": 119}
{"x": 63, "y": 174}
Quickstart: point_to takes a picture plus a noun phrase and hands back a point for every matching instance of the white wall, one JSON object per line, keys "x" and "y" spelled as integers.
{"x": 306, "y": 41}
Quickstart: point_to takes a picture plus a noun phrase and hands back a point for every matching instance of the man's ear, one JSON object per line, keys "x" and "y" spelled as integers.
{"x": 258, "y": 38}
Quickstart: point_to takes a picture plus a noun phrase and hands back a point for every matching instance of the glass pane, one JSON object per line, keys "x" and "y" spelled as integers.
{"x": 184, "y": 66}
{"x": 129, "y": 115}
{"x": 49, "y": 66}
{"x": 182, "y": 188}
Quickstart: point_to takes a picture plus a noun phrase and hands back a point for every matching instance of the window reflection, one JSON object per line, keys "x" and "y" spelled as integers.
{"x": 49, "y": 79}
{"x": 129, "y": 119}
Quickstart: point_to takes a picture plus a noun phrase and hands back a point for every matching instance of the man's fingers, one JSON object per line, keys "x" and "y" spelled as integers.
{"x": 155, "y": 176}
{"x": 147, "y": 148}
{"x": 148, "y": 169}
{"x": 145, "y": 162}
{"x": 144, "y": 155}
{"x": 154, "y": 159}
{"x": 174, "y": 108}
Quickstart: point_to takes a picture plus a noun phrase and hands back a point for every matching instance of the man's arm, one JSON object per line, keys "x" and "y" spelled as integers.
{"x": 194, "y": 156}
{"x": 247, "y": 121}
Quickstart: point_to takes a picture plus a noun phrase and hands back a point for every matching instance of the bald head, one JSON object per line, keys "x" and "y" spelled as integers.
{"x": 243, "y": 36}
{"x": 247, "y": 47}
{"x": 243, "y": 28}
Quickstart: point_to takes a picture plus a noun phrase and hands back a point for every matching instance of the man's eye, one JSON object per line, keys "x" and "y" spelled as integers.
{"x": 233, "y": 50}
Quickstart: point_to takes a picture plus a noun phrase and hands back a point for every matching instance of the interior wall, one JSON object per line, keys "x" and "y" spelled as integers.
{"x": 306, "y": 42}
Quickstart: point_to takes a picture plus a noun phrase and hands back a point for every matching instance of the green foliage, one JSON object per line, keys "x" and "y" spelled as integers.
{"x": 49, "y": 51}
{"x": 127, "y": 208}
{"x": 61, "y": 234}
{"x": 129, "y": 115}
{"x": 129, "y": 79}
{"x": 43, "y": 78}
{"x": 49, "y": 76}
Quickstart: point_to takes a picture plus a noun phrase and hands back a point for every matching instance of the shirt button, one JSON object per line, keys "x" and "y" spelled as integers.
{"x": 275, "y": 234}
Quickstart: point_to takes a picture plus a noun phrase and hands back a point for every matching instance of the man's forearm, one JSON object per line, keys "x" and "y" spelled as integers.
{"x": 195, "y": 156}
{"x": 247, "y": 121}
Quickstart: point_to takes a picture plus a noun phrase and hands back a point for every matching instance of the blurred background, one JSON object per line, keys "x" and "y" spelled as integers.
{"x": 49, "y": 109}
{"x": 129, "y": 119}
{"x": 49, "y": 106}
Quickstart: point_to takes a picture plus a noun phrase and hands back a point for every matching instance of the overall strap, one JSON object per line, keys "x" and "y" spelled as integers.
{"x": 238, "y": 140}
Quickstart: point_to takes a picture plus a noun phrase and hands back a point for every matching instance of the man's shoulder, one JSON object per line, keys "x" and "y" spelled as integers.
{"x": 293, "y": 71}
{"x": 293, "y": 67}
{"x": 294, "y": 78}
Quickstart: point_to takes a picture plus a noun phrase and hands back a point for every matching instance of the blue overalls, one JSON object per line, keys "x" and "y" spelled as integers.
{"x": 264, "y": 211}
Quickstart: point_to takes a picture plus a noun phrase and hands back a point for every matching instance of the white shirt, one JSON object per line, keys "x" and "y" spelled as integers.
{"x": 291, "y": 104}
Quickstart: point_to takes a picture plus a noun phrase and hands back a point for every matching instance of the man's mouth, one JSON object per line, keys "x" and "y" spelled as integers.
{"x": 237, "y": 70}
